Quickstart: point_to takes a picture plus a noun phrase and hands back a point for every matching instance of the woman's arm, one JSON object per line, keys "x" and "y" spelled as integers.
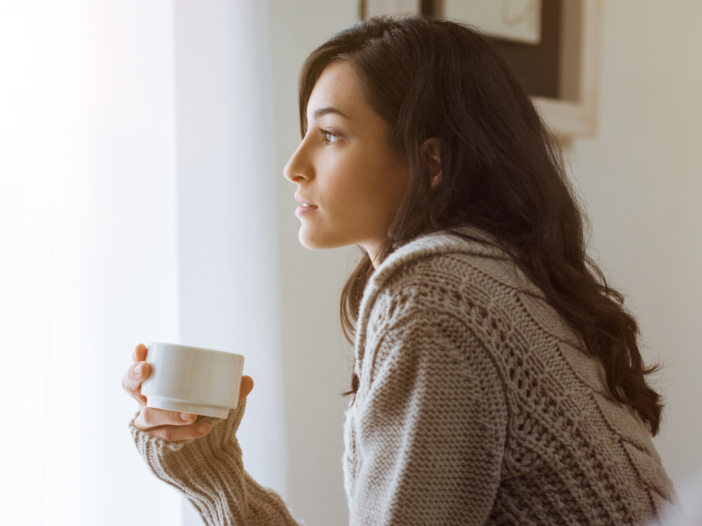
{"x": 209, "y": 472}
{"x": 430, "y": 426}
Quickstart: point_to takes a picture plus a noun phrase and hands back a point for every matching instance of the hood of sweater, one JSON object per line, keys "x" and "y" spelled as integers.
{"x": 439, "y": 243}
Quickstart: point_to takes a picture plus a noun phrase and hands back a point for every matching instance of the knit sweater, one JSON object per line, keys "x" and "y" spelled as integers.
{"x": 477, "y": 405}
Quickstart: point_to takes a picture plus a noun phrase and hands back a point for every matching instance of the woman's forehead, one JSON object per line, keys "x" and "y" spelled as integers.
{"x": 336, "y": 91}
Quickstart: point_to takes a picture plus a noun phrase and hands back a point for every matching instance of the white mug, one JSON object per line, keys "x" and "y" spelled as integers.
{"x": 192, "y": 380}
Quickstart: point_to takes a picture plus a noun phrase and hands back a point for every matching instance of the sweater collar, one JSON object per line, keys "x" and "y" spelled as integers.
{"x": 440, "y": 242}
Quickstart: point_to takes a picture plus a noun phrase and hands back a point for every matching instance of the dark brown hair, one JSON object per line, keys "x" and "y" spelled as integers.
{"x": 502, "y": 172}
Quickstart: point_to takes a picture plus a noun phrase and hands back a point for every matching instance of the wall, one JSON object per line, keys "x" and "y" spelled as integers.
{"x": 641, "y": 179}
{"x": 227, "y": 212}
{"x": 316, "y": 359}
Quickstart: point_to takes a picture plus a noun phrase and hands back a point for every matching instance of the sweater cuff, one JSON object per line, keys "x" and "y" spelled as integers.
{"x": 222, "y": 433}
{"x": 208, "y": 471}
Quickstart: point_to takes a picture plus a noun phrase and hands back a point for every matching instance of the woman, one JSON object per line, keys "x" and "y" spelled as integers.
{"x": 497, "y": 377}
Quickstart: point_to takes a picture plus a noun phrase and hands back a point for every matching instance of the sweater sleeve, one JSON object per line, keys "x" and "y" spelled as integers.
{"x": 209, "y": 472}
{"x": 431, "y": 426}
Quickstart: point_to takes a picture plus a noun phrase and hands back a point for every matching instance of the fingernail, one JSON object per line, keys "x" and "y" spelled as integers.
{"x": 137, "y": 369}
{"x": 202, "y": 428}
{"x": 186, "y": 416}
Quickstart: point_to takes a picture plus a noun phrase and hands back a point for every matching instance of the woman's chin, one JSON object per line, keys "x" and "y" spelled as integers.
{"x": 308, "y": 240}
{"x": 316, "y": 241}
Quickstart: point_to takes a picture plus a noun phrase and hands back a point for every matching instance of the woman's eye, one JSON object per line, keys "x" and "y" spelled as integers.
{"x": 326, "y": 134}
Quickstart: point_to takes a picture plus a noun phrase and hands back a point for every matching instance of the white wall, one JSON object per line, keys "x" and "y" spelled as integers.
{"x": 316, "y": 357}
{"x": 227, "y": 212}
{"x": 642, "y": 181}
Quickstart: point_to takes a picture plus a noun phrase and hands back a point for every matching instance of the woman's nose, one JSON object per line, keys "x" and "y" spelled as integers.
{"x": 298, "y": 167}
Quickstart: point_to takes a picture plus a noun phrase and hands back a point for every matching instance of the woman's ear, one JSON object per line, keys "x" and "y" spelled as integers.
{"x": 431, "y": 153}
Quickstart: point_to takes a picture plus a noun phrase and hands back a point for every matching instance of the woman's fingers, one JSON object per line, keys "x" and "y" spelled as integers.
{"x": 150, "y": 417}
{"x": 178, "y": 433}
{"x": 247, "y": 385}
{"x": 139, "y": 354}
{"x": 136, "y": 374}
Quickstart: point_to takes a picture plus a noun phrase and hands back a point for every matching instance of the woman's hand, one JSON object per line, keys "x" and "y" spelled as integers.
{"x": 170, "y": 426}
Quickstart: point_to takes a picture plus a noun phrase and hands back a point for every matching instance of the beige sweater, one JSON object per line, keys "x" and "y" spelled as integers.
{"x": 477, "y": 405}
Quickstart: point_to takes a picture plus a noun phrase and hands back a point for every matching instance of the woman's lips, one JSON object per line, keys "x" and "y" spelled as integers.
{"x": 304, "y": 209}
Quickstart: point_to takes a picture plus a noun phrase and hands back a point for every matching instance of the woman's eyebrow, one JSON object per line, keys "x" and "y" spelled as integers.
{"x": 328, "y": 109}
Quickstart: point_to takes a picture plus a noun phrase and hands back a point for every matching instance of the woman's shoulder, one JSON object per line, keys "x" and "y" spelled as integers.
{"x": 447, "y": 261}
{"x": 422, "y": 279}
{"x": 465, "y": 275}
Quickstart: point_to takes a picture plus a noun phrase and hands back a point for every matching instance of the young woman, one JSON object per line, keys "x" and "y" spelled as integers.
{"x": 497, "y": 376}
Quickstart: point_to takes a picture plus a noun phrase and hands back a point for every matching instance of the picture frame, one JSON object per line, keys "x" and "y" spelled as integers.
{"x": 570, "y": 108}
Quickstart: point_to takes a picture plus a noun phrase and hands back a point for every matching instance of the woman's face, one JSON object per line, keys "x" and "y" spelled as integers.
{"x": 345, "y": 167}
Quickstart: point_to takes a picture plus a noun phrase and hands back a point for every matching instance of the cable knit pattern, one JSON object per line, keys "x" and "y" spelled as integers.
{"x": 477, "y": 405}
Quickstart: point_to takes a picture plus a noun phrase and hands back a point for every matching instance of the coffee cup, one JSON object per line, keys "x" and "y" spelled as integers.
{"x": 192, "y": 379}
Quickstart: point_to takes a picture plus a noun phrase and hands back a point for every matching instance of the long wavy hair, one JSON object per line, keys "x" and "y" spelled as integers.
{"x": 502, "y": 172}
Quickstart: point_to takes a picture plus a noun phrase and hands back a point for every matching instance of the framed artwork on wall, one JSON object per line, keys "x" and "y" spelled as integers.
{"x": 515, "y": 20}
{"x": 552, "y": 44}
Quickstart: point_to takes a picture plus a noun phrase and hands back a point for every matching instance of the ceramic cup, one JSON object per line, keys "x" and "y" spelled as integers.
{"x": 192, "y": 380}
